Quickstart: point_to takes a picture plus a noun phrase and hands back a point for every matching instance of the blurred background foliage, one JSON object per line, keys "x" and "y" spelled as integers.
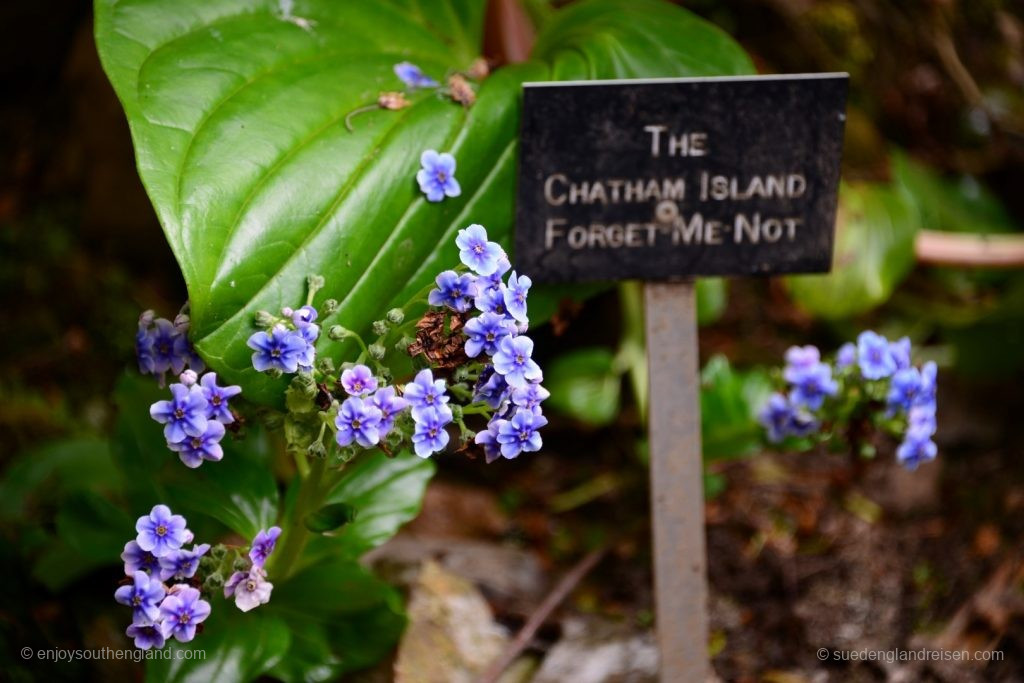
{"x": 935, "y": 141}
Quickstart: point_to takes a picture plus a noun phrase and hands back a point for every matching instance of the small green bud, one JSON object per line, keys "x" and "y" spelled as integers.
{"x": 265, "y": 319}
{"x": 317, "y": 450}
{"x": 461, "y": 373}
{"x": 380, "y": 327}
{"x": 218, "y": 552}
{"x": 403, "y": 343}
{"x": 207, "y": 564}
{"x": 315, "y": 282}
{"x": 214, "y": 581}
{"x": 337, "y": 332}
{"x": 395, "y": 316}
{"x": 385, "y": 376}
{"x": 305, "y": 384}
{"x": 376, "y": 351}
{"x": 456, "y": 411}
{"x": 272, "y": 373}
{"x": 329, "y": 306}
{"x": 325, "y": 365}
{"x": 240, "y": 564}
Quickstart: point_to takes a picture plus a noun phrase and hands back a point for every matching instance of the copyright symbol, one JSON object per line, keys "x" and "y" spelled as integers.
{"x": 26, "y": 653}
{"x": 823, "y": 653}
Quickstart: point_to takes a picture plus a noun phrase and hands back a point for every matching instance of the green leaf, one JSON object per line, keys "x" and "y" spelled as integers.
{"x": 585, "y": 384}
{"x": 330, "y": 517}
{"x": 385, "y": 494}
{"x": 874, "y": 251}
{"x": 237, "y": 113}
{"x": 712, "y": 298}
{"x": 236, "y": 648}
{"x": 729, "y": 401}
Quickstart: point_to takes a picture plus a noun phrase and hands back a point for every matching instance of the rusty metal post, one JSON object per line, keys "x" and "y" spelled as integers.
{"x": 677, "y": 482}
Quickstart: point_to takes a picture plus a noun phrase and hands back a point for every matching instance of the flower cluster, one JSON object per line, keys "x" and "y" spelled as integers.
{"x": 871, "y": 375}
{"x": 286, "y": 345}
{"x": 157, "y": 554}
{"x": 158, "y": 557}
{"x": 194, "y": 419}
{"x": 162, "y": 346}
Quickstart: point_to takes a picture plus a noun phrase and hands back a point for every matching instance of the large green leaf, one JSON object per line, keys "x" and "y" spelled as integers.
{"x": 237, "y": 112}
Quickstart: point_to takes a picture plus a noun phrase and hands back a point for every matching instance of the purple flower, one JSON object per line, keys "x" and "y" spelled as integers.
{"x": 484, "y": 332}
{"x": 144, "y": 350}
{"x": 161, "y": 532}
{"x": 873, "y": 356}
{"x": 513, "y": 362}
{"x": 425, "y": 393}
{"x": 358, "y": 381}
{"x": 304, "y": 317}
{"x": 782, "y": 419}
{"x": 217, "y": 398}
{"x": 136, "y": 559}
{"x": 912, "y": 452}
{"x": 799, "y": 360}
{"x": 520, "y": 434}
{"x": 476, "y": 252}
{"x": 926, "y": 394}
{"x": 413, "y": 77}
{"x": 186, "y": 353}
{"x": 280, "y": 348}
{"x": 437, "y": 176}
{"x": 493, "y": 281}
{"x": 181, "y": 611}
{"x": 900, "y": 352}
{"x": 193, "y": 450}
{"x": 250, "y": 589}
{"x": 143, "y": 595}
{"x": 530, "y": 397}
{"x": 491, "y": 388}
{"x": 904, "y": 387}
{"x": 921, "y": 422}
{"x": 430, "y": 435}
{"x": 813, "y": 385}
{"x": 489, "y": 440}
{"x": 454, "y": 291}
{"x": 263, "y": 545}
{"x": 515, "y": 296}
{"x": 358, "y": 421}
{"x": 182, "y": 564}
{"x": 491, "y": 300}
{"x": 184, "y": 415}
{"x": 146, "y": 636}
{"x": 164, "y": 357}
{"x": 389, "y": 405}
{"x": 846, "y": 356}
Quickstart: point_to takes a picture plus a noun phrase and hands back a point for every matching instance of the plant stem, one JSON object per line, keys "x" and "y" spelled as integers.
{"x": 296, "y": 535}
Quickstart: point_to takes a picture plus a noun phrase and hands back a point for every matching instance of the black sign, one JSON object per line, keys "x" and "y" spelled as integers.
{"x": 655, "y": 179}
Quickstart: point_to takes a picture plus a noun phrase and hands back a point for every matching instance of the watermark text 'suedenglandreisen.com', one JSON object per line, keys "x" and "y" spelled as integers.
{"x": 109, "y": 653}
{"x": 919, "y": 655}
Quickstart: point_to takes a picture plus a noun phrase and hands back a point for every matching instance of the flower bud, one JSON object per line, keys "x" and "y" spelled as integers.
{"x": 218, "y": 552}
{"x": 456, "y": 411}
{"x": 395, "y": 316}
{"x": 376, "y": 351}
{"x": 329, "y": 306}
{"x": 337, "y": 332}
{"x": 147, "y": 318}
{"x": 287, "y": 311}
{"x": 273, "y": 373}
{"x": 214, "y": 582}
{"x": 317, "y": 450}
{"x": 305, "y": 384}
{"x": 188, "y": 378}
{"x": 264, "y": 319}
{"x": 315, "y": 282}
{"x": 403, "y": 343}
{"x": 240, "y": 564}
{"x": 380, "y": 327}
{"x": 181, "y": 321}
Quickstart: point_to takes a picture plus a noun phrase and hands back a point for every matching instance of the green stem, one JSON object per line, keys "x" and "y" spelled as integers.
{"x": 296, "y": 535}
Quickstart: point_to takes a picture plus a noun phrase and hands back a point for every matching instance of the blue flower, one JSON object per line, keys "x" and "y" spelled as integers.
{"x": 813, "y": 385}
{"x": 263, "y": 545}
{"x": 921, "y": 422}
{"x": 489, "y": 440}
{"x": 161, "y": 532}
{"x": 491, "y": 388}
{"x": 389, "y": 406}
{"x": 193, "y": 450}
{"x": 873, "y": 356}
{"x": 493, "y": 282}
{"x": 182, "y": 564}
{"x": 184, "y": 415}
{"x": 358, "y": 421}
{"x": 217, "y": 398}
{"x": 800, "y": 360}
{"x": 430, "y": 435}
{"x": 144, "y": 349}
{"x": 926, "y": 394}
{"x": 358, "y": 381}
{"x": 520, "y": 434}
{"x": 846, "y": 356}
{"x": 181, "y": 611}
{"x": 530, "y": 396}
{"x": 515, "y": 296}
{"x": 136, "y": 559}
{"x": 491, "y": 301}
{"x": 437, "y": 176}
{"x": 900, "y": 352}
{"x": 912, "y": 452}
{"x": 425, "y": 393}
{"x": 280, "y": 348}
{"x": 485, "y": 332}
{"x": 781, "y": 419}
{"x": 476, "y": 252}
{"x": 304, "y": 317}
{"x": 185, "y": 353}
{"x": 904, "y": 387}
{"x": 413, "y": 77}
{"x": 143, "y": 595}
{"x": 513, "y": 362}
{"x": 250, "y": 589}
{"x": 146, "y": 636}
{"x": 164, "y": 356}
{"x": 454, "y": 291}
